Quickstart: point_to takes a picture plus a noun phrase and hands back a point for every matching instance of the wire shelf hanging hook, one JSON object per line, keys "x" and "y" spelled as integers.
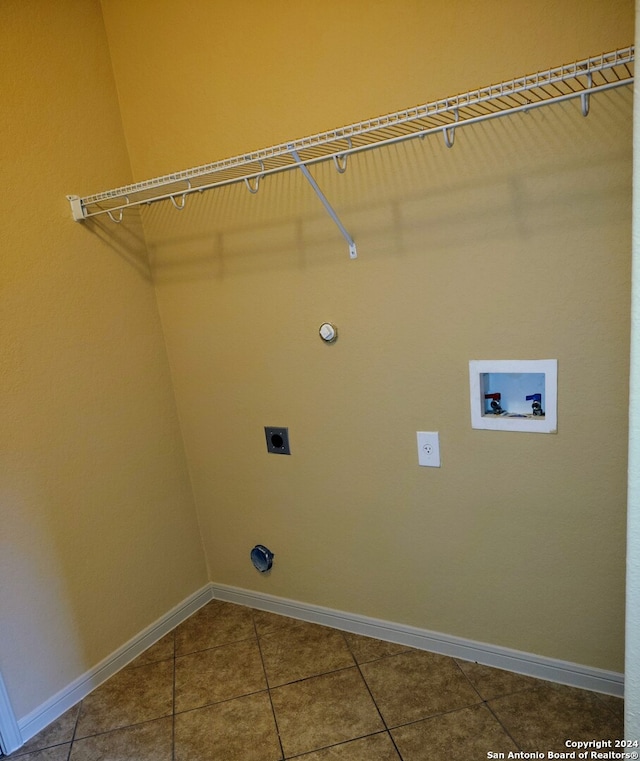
{"x": 180, "y": 206}
{"x": 256, "y": 180}
{"x": 584, "y": 98}
{"x": 340, "y": 159}
{"x": 449, "y": 133}
{"x": 114, "y": 219}
{"x": 118, "y": 219}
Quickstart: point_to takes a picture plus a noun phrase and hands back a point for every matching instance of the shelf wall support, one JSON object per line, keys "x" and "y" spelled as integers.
{"x": 331, "y": 211}
{"x": 76, "y": 208}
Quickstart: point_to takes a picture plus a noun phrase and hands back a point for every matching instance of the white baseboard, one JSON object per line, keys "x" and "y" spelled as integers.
{"x": 530, "y": 664}
{"x": 53, "y": 708}
{"x": 10, "y": 736}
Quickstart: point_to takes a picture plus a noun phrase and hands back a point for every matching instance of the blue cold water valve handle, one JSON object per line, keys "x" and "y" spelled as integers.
{"x": 536, "y": 404}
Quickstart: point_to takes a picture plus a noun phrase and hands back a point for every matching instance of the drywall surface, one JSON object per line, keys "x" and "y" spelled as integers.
{"x": 98, "y": 536}
{"x": 514, "y": 244}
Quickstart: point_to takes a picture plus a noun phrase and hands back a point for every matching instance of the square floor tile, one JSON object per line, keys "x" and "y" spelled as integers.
{"x": 366, "y": 649}
{"x": 469, "y": 733}
{"x": 236, "y": 730}
{"x": 217, "y": 623}
{"x": 131, "y": 696}
{"x": 268, "y": 623}
{"x": 224, "y": 672}
{"x": 543, "y": 718}
{"x": 162, "y": 650}
{"x": 416, "y": 685}
{"x": 372, "y": 748}
{"x": 152, "y": 741}
{"x": 494, "y": 683}
{"x": 324, "y": 710}
{"x": 301, "y": 651}
{"x": 613, "y": 703}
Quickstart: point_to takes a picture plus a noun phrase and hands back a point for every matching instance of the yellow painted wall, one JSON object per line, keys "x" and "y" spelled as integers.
{"x": 209, "y": 79}
{"x": 98, "y": 536}
{"x": 514, "y": 244}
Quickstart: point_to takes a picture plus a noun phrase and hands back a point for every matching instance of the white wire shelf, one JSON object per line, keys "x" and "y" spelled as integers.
{"x": 580, "y": 80}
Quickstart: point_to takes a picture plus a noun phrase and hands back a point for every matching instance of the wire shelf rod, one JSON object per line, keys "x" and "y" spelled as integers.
{"x": 342, "y": 152}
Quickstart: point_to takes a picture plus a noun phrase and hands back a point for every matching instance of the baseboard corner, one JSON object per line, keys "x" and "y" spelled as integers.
{"x": 56, "y": 705}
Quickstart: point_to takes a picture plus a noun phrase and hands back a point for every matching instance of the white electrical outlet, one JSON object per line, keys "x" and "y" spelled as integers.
{"x": 429, "y": 449}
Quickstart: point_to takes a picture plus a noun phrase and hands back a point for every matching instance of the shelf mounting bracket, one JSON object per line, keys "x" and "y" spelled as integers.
{"x": 76, "y": 208}
{"x": 353, "y": 254}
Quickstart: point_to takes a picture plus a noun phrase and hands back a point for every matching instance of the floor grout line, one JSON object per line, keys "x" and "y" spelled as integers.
{"x": 266, "y": 681}
{"x": 506, "y": 731}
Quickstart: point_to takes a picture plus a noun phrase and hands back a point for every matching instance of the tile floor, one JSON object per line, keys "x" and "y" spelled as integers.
{"x": 236, "y": 684}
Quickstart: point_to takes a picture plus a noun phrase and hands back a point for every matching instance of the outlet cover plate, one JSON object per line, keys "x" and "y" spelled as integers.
{"x": 429, "y": 449}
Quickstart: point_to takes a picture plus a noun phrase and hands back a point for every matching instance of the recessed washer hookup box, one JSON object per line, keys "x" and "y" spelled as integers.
{"x": 514, "y": 394}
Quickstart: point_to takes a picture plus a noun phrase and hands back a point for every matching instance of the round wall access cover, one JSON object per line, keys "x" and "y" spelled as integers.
{"x": 262, "y": 558}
